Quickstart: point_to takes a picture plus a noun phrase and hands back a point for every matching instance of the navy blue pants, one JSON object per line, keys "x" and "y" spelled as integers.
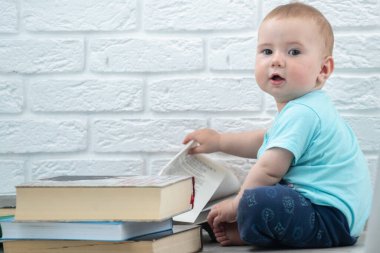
{"x": 278, "y": 215}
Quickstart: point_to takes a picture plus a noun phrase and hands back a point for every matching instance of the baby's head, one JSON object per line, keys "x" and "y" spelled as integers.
{"x": 294, "y": 52}
{"x": 307, "y": 13}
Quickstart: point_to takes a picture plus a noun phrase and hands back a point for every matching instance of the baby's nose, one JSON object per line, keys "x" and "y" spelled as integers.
{"x": 278, "y": 60}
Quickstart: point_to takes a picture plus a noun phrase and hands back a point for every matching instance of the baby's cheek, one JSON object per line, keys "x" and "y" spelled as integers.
{"x": 303, "y": 77}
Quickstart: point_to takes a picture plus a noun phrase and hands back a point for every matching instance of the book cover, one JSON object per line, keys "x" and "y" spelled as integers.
{"x": 104, "y": 181}
{"x": 85, "y": 230}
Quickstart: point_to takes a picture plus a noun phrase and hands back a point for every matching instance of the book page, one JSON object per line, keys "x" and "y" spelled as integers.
{"x": 208, "y": 179}
{"x": 230, "y": 183}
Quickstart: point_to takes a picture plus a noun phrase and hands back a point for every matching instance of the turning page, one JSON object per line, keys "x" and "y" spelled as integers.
{"x": 212, "y": 181}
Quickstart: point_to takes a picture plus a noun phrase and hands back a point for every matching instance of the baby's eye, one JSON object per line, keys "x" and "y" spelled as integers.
{"x": 294, "y": 52}
{"x": 267, "y": 51}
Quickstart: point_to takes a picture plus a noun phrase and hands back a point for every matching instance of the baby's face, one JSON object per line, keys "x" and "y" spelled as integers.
{"x": 289, "y": 57}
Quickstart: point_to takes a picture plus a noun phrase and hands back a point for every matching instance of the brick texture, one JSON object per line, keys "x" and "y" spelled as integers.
{"x": 112, "y": 87}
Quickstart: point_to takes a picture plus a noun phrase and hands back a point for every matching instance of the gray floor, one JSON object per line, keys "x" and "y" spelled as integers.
{"x": 212, "y": 247}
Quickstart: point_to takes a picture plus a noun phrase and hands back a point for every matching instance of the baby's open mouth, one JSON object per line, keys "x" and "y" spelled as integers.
{"x": 276, "y": 78}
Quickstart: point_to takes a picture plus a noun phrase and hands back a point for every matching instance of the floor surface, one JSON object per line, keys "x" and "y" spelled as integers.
{"x": 212, "y": 247}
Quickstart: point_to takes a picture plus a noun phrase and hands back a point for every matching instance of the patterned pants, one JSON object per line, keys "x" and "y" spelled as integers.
{"x": 278, "y": 215}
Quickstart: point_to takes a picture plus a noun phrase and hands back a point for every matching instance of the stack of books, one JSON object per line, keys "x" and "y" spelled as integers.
{"x": 94, "y": 214}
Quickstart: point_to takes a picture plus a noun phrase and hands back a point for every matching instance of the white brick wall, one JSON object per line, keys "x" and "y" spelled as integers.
{"x": 112, "y": 87}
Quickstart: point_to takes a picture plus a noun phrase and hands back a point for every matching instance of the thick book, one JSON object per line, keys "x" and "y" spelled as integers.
{"x": 184, "y": 239}
{"x": 85, "y": 230}
{"x": 213, "y": 182}
{"x": 125, "y": 198}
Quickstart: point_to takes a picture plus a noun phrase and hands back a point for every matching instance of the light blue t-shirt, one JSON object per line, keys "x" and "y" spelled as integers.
{"x": 328, "y": 166}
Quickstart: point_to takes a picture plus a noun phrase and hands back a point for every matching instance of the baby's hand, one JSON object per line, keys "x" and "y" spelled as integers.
{"x": 207, "y": 139}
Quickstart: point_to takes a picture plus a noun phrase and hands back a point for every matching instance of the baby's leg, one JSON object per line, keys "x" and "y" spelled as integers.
{"x": 279, "y": 215}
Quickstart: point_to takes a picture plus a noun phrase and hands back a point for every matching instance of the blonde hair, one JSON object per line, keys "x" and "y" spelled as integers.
{"x": 300, "y": 10}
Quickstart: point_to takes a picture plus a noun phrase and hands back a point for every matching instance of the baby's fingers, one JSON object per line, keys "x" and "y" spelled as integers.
{"x": 188, "y": 138}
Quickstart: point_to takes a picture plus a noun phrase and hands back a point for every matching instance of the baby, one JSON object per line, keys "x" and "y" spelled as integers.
{"x": 310, "y": 186}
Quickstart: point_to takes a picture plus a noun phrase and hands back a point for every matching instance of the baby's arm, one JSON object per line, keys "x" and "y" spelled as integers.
{"x": 244, "y": 144}
{"x": 268, "y": 170}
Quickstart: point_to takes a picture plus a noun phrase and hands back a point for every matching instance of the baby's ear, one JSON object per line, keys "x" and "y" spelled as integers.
{"x": 326, "y": 70}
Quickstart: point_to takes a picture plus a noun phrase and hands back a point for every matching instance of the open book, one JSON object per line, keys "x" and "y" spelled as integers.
{"x": 213, "y": 182}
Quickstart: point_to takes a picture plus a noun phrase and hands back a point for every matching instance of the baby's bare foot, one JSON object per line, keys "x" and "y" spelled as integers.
{"x": 227, "y": 234}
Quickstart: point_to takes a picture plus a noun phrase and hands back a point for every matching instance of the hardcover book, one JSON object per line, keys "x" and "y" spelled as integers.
{"x": 125, "y": 198}
{"x": 84, "y": 230}
{"x": 184, "y": 239}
